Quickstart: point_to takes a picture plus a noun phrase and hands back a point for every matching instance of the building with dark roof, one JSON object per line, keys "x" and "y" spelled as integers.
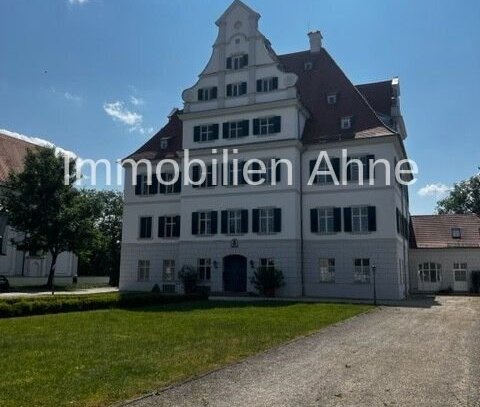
{"x": 444, "y": 250}
{"x": 327, "y": 239}
{"x": 23, "y": 268}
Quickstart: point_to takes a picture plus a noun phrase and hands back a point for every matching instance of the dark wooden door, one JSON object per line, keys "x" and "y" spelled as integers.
{"x": 235, "y": 273}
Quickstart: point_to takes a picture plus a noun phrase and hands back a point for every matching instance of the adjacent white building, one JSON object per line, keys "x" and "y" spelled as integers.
{"x": 325, "y": 238}
{"x": 22, "y": 267}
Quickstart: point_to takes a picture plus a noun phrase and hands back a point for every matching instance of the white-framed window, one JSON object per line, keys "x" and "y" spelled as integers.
{"x": 170, "y": 226}
{"x": 331, "y": 98}
{"x": 266, "y": 220}
{"x": 456, "y": 233}
{"x": 204, "y": 267}
{"x": 208, "y": 179}
{"x": 231, "y": 173}
{"x": 239, "y": 61}
{"x": 168, "y": 270}
{"x": 234, "y": 219}
{"x": 163, "y": 143}
{"x": 145, "y": 188}
{"x": 430, "y": 272}
{"x": 237, "y": 89}
{"x": 361, "y": 272}
{"x": 235, "y": 130}
{"x": 267, "y": 263}
{"x": 360, "y": 219}
{"x": 206, "y": 132}
{"x": 169, "y": 188}
{"x": 143, "y": 270}
{"x": 326, "y": 220}
{"x": 267, "y": 84}
{"x": 145, "y": 231}
{"x": 354, "y": 169}
{"x": 326, "y": 268}
{"x": 346, "y": 122}
{"x": 460, "y": 272}
{"x": 307, "y": 66}
{"x": 323, "y": 179}
{"x": 205, "y": 223}
{"x": 207, "y": 93}
{"x": 266, "y": 125}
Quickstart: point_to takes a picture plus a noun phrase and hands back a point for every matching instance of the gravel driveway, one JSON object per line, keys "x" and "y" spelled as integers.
{"x": 396, "y": 356}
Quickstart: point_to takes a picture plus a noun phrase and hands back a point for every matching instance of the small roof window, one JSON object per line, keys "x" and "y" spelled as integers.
{"x": 163, "y": 143}
{"x": 456, "y": 233}
{"x": 332, "y": 98}
{"x": 346, "y": 122}
{"x": 307, "y": 66}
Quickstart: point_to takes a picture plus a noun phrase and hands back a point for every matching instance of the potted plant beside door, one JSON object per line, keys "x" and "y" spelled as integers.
{"x": 267, "y": 279}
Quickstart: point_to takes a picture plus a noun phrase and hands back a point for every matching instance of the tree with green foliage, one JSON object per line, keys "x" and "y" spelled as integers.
{"x": 102, "y": 256}
{"x": 464, "y": 198}
{"x": 52, "y": 214}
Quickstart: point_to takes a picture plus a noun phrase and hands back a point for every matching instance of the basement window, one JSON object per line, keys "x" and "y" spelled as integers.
{"x": 456, "y": 233}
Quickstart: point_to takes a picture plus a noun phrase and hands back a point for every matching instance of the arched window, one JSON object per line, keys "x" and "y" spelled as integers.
{"x": 430, "y": 272}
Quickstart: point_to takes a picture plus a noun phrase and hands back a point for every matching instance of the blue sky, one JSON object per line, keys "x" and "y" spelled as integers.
{"x": 66, "y": 64}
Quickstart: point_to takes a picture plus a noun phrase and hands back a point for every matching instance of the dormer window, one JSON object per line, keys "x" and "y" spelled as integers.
{"x": 267, "y": 84}
{"x": 307, "y": 66}
{"x": 346, "y": 122}
{"x": 456, "y": 233}
{"x": 237, "y": 89}
{"x": 332, "y": 98}
{"x": 207, "y": 93}
{"x": 237, "y": 61}
{"x": 163, "y": 144}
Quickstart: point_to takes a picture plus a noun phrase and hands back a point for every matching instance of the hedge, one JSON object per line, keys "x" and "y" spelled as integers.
{"x": 23, "y": 306}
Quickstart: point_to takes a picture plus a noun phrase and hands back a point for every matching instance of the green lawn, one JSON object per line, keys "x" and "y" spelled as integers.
{"x": 97, "y": 358}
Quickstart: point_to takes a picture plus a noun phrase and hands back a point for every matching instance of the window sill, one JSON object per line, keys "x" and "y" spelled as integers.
{"x": 326, "y": 233}
{"x": 327, "y": 282}
{"x": 362, "y": 282}
{"x": 267, "y": 233}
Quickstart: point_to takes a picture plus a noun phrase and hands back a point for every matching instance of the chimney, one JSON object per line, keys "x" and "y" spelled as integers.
{"x": 315, "y": 41}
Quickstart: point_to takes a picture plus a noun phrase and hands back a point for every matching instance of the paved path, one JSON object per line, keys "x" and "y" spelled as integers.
{"x": 13, "y": 294}
{"x": 395, "y": 356}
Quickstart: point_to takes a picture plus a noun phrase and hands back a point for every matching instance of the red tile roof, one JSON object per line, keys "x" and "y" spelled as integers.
{"x": 435, "y": 231}
{"x": 313, "y": 85}
{"x": 12, "y": 153}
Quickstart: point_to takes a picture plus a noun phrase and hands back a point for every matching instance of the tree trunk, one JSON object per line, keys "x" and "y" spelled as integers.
{"x": 51, "y": 274}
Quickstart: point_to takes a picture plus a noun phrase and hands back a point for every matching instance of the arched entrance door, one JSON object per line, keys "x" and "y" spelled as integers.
{"x": 235, "y": 273}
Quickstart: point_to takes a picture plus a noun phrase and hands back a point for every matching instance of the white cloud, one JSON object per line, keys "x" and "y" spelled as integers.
{"x": 136, "y": 101}
{"x": 434, "y": 190}
{"x": 77, "y": 1}
{"x": 72, "y": 98}
{"x": 118, "y": 111}
{"x": 39, "y": 142}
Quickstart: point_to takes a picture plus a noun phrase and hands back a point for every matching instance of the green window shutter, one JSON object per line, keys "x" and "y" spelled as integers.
{"x": 312, "y": 167}
{"x": 255, "y": 220}
{"x": 138, "y": 185}
{"x": 347, "y": 219}
{"x": 200, "y": 94}
{"x": 196, "y": 133}
{"x": 278, "y": 172}
{"x": 194, "y": 223}
{"x": 162, "y": 186}
{"x": 256, "y": 126}
{"x": 277, "y": 124}
{"x": 314, "y": 220}
{"x": 244, "y": 221}
{"x": 161, "y": 226}
{"x": 215, "y": 131}
{"x": 224, "y": 222}
{"x": 275, "y": 83}
{"x": 177, "y": 187}
{"x": 245, "y": 127}
{"x": 259, "y": 85}
{"x": 243, "y": 88}
{"x": 176, "y": 229}
{"x": 336, "y": 168}
{"x": 213, "y": 94}
{"x": 255, "y": 177}
{"x": 337, "y": 219}
{"x": 366, "y": 168}
{"x": 277, "y": 220}
{"x": 226, "y": 132}
{"x": 229, "y": 63}
{"x": 349, "y": 170}
{"x": 372, "y": 219}
{"x": 397, "y": 212}
{"x": 195, "y": 175}
{"x": 214, "y": 222}
{"x": 229, "y": 90}
{"x": 245, "y": 60}
{"x": 153, "y": 188}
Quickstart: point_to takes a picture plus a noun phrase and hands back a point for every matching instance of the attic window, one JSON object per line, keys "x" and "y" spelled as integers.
{"x": 332, "y": 98}
{"x": 308, "y": 66}
{"x": 163, "y": 144}
{"x": 456, "y": 233}
{"x": 346, "y": 122}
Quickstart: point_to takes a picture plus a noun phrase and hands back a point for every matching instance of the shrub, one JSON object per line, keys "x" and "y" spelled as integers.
{"x": 156, "y": 289}
{"x": 266, "y": 280}
{"x": 16, "y": 307}
{"x": 188, "y": 276}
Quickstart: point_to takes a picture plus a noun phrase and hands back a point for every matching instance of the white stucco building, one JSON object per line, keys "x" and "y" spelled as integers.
{"x": 24, "y": 268}
{"x": 325, "y": 238}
